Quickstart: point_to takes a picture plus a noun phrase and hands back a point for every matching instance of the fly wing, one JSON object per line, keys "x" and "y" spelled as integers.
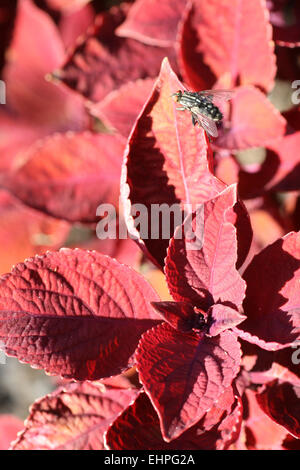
{"x": 208, "y": 124}
{"x": 222, "y": 95}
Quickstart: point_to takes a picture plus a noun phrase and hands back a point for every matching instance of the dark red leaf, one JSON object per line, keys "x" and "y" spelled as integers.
{"x": 254, "y": 121}
{"x": 193, "y": 69}
{"x": 180, "y": 315}
{"x": 281, "y": 401}
{"x": 69, "y": 175}
{"x": 272, "y": 297}
{"x": 120, "y": 108}
{"x": 138, "y": 428}
{"x": 260, "y": 432}
{"x": 104, "y": 61}
{"x": 153, "y": 22}
{"x": 166, "y": 161}
{"x": 9, "y": 427}
{"x": 73, "y": 417}
{"x": 70, "y": 313}
{"x": 185, "y": 374}
{"x": 285, "y": 18}
{"x": 234, "y": 39}
{"x": 7, "y": 17}
{"x": 270, "y": 365}
{"x": 206, "y": 272}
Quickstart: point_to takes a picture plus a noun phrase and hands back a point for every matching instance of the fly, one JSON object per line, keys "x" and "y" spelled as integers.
{"x": 202, "y": 108}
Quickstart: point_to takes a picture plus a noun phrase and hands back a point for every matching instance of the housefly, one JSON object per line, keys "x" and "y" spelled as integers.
{"x": 202, "y": 107}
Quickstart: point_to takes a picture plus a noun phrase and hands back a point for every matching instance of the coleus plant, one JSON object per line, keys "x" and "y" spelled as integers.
{"x": 84, "y": 316}
{"x": 207, "y": 362}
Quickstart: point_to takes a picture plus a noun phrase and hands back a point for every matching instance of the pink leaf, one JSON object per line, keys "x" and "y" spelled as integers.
{"x": 74, "y": 417}
{"x": 184, "y": 374}
{"x": 236, "y": 45}
{"x": 120, "y": 108}
{"x": 30, "y": 60}
{"x": 166, "y": 152}
{"x": 67, "y": 5}
{"x": 254, "y": 121}
{"x": 206, "y": 273}
{"x": 223, "y": 317}
{"x": 9, "y": 427}
{"x": 272, "y": 298}
{"x": 69, "y": 175}
{"x": 70, "y": 313}
{"x": 153, "y": 22}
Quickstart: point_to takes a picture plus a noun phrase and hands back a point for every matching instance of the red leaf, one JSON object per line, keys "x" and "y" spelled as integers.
{"x": 207, "y": 274}
{"x": 166, "y": 161}
{"x": 280, "y": 401}
{"x": 104, "y": 61}
{"x": 260, "y": 432}
{"x": 254, "y": 121}
{"x": 185, "y": 374}
{"x": 272, "y": 297}
{"x": 9, "y": 427}
{"x": 236, "y": 45}
{"x": 69, "y": 175}
{"x": 74, "y": 417}
{"x": 138, "y": 428}
{"x": 120, "y": 108}
{"x": 153, "y": 22}
{"x": 70, "y": 313}
{"x": 28, "y": 92}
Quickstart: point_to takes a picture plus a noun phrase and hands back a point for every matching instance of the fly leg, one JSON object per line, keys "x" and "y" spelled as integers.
{"x": 194, "y": 120}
